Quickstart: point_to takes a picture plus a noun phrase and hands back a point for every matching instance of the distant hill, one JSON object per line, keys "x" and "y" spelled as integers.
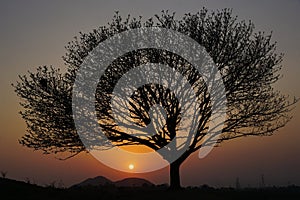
{"x": 97, "y": 181}
{"x": 133, "y": 182}
{"x": 16, "y": 190}
{"x": 102, "y": 181}
{"x": 7, "y": 184}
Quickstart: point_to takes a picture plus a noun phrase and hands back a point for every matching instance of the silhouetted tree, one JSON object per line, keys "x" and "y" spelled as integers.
{"x": 246, "y": 60}
{"x": 3, "y": 174}
{"x": 237, "y": 183}
{"x": 262, "y": 181}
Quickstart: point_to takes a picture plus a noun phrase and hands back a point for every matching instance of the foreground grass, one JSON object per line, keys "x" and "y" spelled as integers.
{"x": 11, "y": 189}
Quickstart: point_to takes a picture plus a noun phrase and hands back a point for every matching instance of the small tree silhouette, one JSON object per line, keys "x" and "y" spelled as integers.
{"x": 3, "y": 174}
{"x": 247, "y": 61}
{"x": 262, "y": 181}
{"x": 27, "y": 180}
{"x": 237, "y": 183}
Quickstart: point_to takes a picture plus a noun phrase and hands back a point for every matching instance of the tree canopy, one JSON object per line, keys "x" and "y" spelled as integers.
{"x": 247, "y": 61}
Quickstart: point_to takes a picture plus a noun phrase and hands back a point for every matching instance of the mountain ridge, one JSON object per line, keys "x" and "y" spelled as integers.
{"x": 103, "y": 181}
{"x": 96, "y": 181}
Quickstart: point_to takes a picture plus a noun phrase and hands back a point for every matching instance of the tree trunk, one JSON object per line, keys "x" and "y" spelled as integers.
{"x": 175, "y": 175}
{"x": 175, "y": 171}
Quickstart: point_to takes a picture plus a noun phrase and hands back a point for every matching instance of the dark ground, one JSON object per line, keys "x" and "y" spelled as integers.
{"x": 11, "y": 189}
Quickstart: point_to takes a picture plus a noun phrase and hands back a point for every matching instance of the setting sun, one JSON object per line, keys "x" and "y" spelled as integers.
{"x": 131, "y": 166}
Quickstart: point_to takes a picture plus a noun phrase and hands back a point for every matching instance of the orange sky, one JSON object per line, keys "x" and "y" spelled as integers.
{"x": 34, "y": 33}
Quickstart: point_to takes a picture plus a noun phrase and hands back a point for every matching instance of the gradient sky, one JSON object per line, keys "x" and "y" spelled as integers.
{"x": 34, "y": 33}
